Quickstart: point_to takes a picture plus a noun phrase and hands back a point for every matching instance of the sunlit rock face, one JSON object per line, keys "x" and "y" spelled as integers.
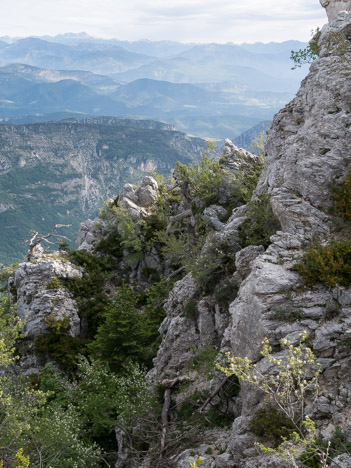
{"x": 334, "y": 6}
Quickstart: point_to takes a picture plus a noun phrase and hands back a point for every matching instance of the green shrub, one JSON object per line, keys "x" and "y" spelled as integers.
{"x": 309, "y": 54}
{"x": 54, "y": 284}
{"x": 271, "y": 424}
{"x": 187, "y": 409}
{"x": 260, "y": 224}
{"x": 111, "y": 245}
{"x": 190, "y": 310}
{"x": 216, "y": 261}
{"x": 204, "y": 361}
{"x": 330, "y": 264}
{"x": 58, "y": 345}
{"x": 245, "y": 182}
{"x": 204, "y": 178}
{"x": 287, "y": 314}
{"x": 89, "y": 289}
{"x": 339, "y": 444}
{"x": 342, "y": 196}
{"x": 226, "y": 291}
{"x": 155, "y": 222}
{"x": 122, "y": 335}
{"x": 63, "y": 349}
{"x": 129, "y": 327}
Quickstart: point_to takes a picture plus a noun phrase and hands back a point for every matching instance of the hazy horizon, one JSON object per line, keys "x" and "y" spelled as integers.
{"x": 191, "y": 21}
{"x": 85, "y": 34}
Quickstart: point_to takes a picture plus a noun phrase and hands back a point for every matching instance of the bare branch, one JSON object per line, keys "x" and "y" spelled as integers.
{"x": 37, "y": 239}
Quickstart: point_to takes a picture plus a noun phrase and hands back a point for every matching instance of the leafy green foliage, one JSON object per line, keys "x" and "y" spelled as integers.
{"x": 245, "y": 182}
{"x": 342, "y": 196}
{"x": 330, "y": 264}
{"x": 260, "y": 224}
{"x": 216, "y": 261}
{"x": 58, "y": 345}
{"x": 190, "y": 310}
{"x": 129, "y": 329}
{"x": 336, "y": 446}
{"x": 226, "y": 291}
{"x": 204, "y": 361}
{"x": 89, "y": 289}
{"x": 271, "y": 424}
{"x": 122, "y": 335}
{"x": 295, "y": 376}
{"x": 111, "y": 245}
{"x": 309, "y": 54}
{"x": 257, "y": 146}
{"x": 54, "y": 284}
{"x": 10, "y": 326}
{"x": 118, "y": 397}
{"x": 204, "y": 178}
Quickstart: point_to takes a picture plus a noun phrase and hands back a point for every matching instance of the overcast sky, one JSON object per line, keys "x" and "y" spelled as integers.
{"x": 180, "y": 20}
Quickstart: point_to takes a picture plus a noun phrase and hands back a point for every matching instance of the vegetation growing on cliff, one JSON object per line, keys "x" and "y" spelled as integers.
{"x": 120, "y": 299}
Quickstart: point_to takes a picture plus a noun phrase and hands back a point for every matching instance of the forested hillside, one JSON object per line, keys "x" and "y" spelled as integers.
{"x": 63, "y": 171}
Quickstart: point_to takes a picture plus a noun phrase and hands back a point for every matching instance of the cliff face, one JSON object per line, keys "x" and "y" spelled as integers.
{"x": 252, "y": 289}
{"x": 65, "y": 170}
{"x": 308, "y": 149}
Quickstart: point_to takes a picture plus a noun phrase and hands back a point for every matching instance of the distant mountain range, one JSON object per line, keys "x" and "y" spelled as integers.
{"x": 209, "y": 90}
{"x": 246, "y": 139}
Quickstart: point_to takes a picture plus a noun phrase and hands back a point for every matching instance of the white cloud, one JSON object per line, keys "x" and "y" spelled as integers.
{"x": 187, "y": 21}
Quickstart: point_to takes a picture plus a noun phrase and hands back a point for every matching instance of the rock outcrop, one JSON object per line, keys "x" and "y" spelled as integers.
{"x": 308, "y": 149}
{"x": 260, "y": 293}
{"x": 40, "y": 294}
{"x": 333, "y": 7}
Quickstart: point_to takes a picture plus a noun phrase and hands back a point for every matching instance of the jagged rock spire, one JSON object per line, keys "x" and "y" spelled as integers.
{"x": 334, "y": 6}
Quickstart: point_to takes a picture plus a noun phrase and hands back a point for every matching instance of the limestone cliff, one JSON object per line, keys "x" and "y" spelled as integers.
{"x": 242, "y": 284}
{"x": 308, "y": 149}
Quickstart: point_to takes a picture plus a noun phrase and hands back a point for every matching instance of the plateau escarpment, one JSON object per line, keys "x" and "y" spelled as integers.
{"x": 62, "y": 171}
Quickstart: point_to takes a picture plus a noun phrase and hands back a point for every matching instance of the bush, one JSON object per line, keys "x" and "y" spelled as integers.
{"x": 271, "y": 424}
{"x": 54, "y": 284}
{"x": 190, "y": 310}
{"x": 260, "y": 224}
{"x": 339, "y": 444}
{"x": 216, "y": 261}
{"x": 204, "y": 178}
{"x": 330, "y": 264}
{"x": 342, "y": 195}
{"x": 129, "y": 327}
{"x": 226, "y": 291}
{"x": 111, "y": 245}
{"x": 309, "y": 54}
{"x": 204, "y": 361}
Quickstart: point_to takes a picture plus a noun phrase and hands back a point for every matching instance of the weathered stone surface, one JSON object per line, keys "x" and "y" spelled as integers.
{"x": 244, "y": 259}
{"x": 211, "y": 216}
{"x": 178, "y": 331}
{"x": 333, "y": 7}
{"x": 148, "y": 192}
{"x": 235, "y": 159}
{"x": 89, "y": 234}
{"x": 36, "y": 299}
{"x": 308, "y": 149}
{"x": 137, "y": 201}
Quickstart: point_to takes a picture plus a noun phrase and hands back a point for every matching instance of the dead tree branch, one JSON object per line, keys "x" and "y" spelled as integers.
{"x": 37, "y": 239}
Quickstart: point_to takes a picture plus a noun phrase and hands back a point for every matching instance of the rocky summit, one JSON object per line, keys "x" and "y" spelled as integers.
{"x": 236, "y": 258}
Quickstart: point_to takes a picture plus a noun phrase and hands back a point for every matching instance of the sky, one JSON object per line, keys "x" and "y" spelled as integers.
{"x": 201, "y": 21}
